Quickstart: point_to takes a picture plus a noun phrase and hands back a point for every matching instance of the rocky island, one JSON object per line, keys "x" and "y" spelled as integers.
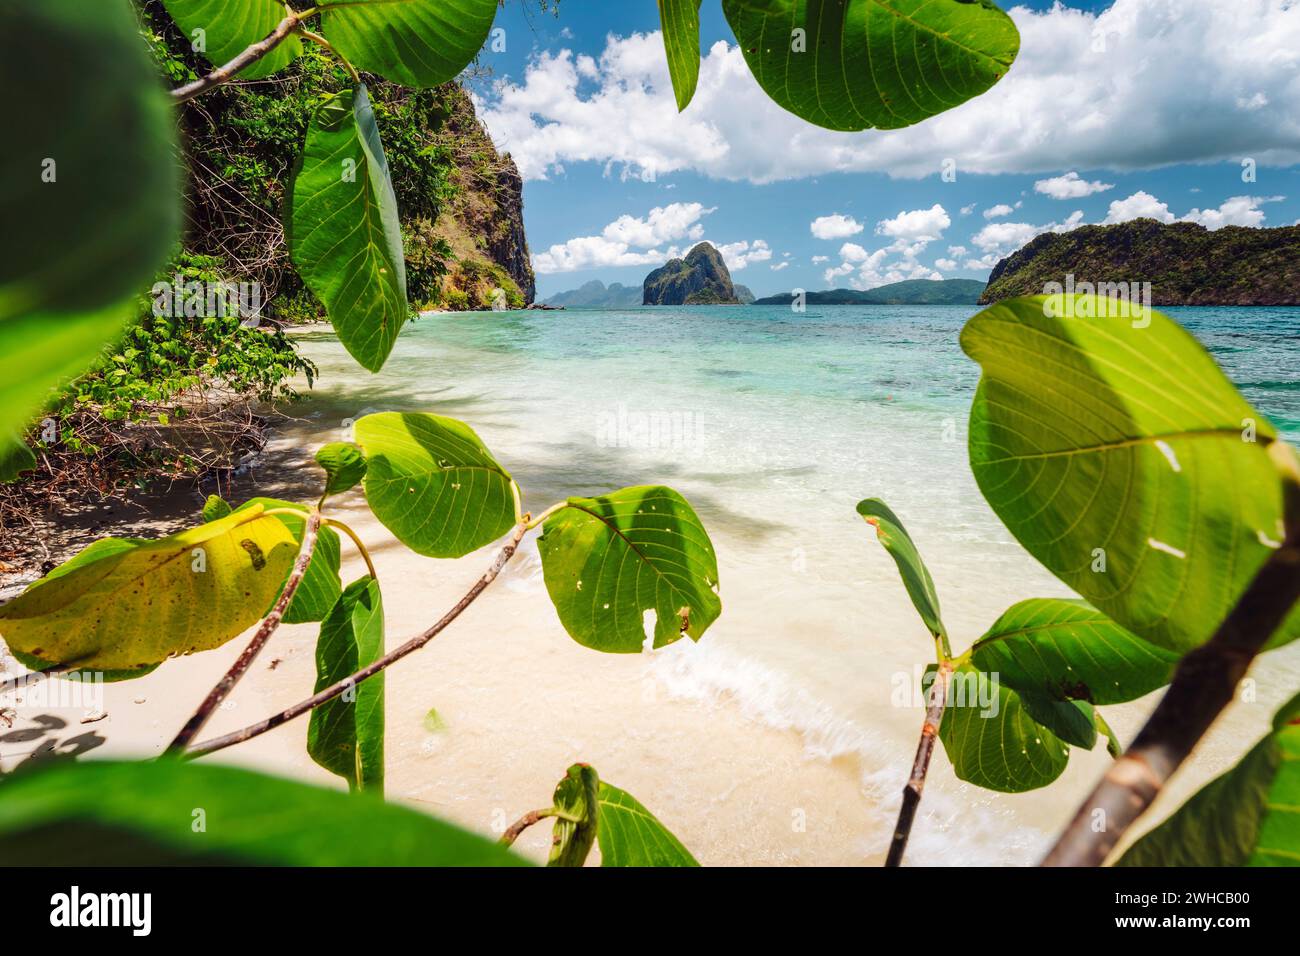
{"x": 701, "y": 278}
{"x": 1185, "y": 263}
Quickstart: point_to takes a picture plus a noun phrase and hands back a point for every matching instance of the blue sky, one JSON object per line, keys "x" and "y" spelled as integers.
{"x": 1112, "y": 110}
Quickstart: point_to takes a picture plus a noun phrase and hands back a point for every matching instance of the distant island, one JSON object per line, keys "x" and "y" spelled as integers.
{"x": 701, "y": 278}
{"x": 596, "y": 295}
{"x": 1185, "y": 263}
{"x": 909, "y": 292}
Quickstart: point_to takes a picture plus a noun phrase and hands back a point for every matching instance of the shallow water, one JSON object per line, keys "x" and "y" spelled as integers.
{"x": 773, "y": 425}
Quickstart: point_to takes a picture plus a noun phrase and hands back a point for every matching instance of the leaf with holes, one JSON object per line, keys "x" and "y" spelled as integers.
{"x": 1110, "y": 444}
{"x": 103, "y": 813}
{"x": 630, "y": 835}
{"x": 346, "y": 734}
{"x": 127, "y": 604}
{"x": 1068, "y": 650}
{"x": 578, "y": 818}
{"x": 610, "y": 559}
{"x": 916, "y": 576}
{"x": 433, "y": 483}
{"x": 344, "y": 464}
{"x": 321, "y": 585}
{"x": 342, "y": 227}
{"x": 228, "y": 27}
{"x": 992, "y": 740}
{"x": 420, "y": 43}
{"x": 858, "y": 64}
{"x": 680, "y": 20}
{"x": 1249, "y": 816}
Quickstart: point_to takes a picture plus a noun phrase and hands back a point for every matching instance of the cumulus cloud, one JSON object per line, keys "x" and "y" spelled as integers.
{"x": 779, "y": 266}
{"x": 1237, "y": 211}
{"x": 996, "y": 212}
{"x": 835, "y": 227}
{"x": 738, "y": 255}
{"x": 918, "y": 225}
{"x": 1061, "y": 97}
{"x": 1070, "y": 186}
{"x": 628, "y": 241}
{"x": 910, "y": 231}
{"x": 1141, "y": 205}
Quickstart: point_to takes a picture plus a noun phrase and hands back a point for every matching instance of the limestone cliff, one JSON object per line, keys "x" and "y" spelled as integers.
{"x": 701, "y": 278}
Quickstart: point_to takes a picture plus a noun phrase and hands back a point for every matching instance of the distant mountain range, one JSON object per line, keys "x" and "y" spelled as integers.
{"x": 909, "y": 292}
{"x": 596, "y": 295}
{"x": 1185, "y": 263}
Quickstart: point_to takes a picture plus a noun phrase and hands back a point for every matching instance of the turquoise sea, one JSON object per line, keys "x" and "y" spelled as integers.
{"x": 774, "y": 424}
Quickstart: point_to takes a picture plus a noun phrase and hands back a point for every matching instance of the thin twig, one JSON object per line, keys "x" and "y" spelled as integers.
{"x": 921, "y": 764}
{"x": 1203, "y": 685}
{"x": 269, "y": 624}
{"x": 334, "y": 690}
{"x": 524, "y": 822}
{"x": 251, "y": 55}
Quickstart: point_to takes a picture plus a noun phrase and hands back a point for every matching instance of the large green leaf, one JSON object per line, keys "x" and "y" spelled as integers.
{"x": 630, "y": 835}
{"x": 433, "y": 483}
{"x": 680, "y": 20}
{"x": 608, "y": 560}
{"x": 165, "y": 812}
{"x": 419, "y": 43}
{"x": 346, "y": 735}
{"x": 992, "y": 740}
{"x": 321, "y": 585}
{"x": 89, "y": 193}
{"x": 1102, "y": 438}
{"x": 15, "y": 457}
{"x": 342, "y": 227}
{"x": 579, "y": 816}
{"x": 1068, "y": 650}
{"x": 1249, "y": 816}
{"x": 916, "y": 576}
{"x": 857, "y": 64}
{"x": 89, "y": 181}
{"x": 127, "y": 604}
{"x": 231, "y": 26}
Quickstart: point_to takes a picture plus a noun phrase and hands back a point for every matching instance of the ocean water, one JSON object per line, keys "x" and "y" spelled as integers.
{"x": 774, "y": 424}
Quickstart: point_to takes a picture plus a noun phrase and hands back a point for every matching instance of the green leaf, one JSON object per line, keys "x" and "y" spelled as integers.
{"x": 344, "y": 464}
{"x": 126, "y": 604}
{"x": 433, "y": 483}
{"x": 1068, "y": 650}
{"x": 215, "y": 508}
{"x": 433, "y": 721}
{"x": 1101, "y": 434}
{"x": 1074, "y": 721}
{"x": 992, "y": 740}
{"x": 630, "y": 835}
{"x": 608, "y": 560}
{"x": 1249, "y": 816}
{"x": 575, "y": 830}
{"x": 346, "y": 735}
{"x": 681, "y": 27}
{"x": 858, "y": 64}
{"x": 342, "y": 227}
{"x": 98, "y": 223}
{"x": 167, "y": 812}
{"x": 420, "y": 43}
{"x": 916, "y": 576}
{"x": 231, "y": 26}
{"x": 321, "y": 585}
{"x": 15, "y": 457}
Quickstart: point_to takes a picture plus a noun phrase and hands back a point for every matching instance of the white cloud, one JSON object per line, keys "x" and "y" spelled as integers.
{"x": 1237, "y": 211}
{"x": 1141, "y": 205}
{"x": 852, "y": 252}
{"x": 818, "y": 260}
{"x": 918, "y": 225}
{"x": 627, "y": 241}
{"x": 779, "y": 266}
{"x": 835, "y": 227}
{"x": 967, "y": 210}
{"x": 737, "y": 255}
{"x": 1059, "y": 98}
{"x": 1070, "y": 186}
{"x": 948, "y": 265}
{"x": 1001, "y": 235}
{"x": 996, "y": 212}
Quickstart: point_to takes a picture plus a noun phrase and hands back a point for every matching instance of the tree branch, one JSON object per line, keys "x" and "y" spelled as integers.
{"x": 334, "y": 690}
{"x": 921, "y": 764}
{"x": 523, "y": 823}
{"x": 1203, "y": 685}
{"x": 269, "y": 624}
{"x": 251, "y": 55}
